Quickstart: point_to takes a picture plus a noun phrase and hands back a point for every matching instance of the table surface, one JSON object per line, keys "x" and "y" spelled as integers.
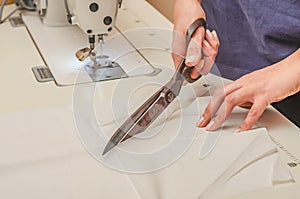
{"x": 21, "y": 92}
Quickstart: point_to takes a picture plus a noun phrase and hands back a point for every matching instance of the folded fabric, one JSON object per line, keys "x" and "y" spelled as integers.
{"x": 239, "y": 162}
{"x": 257, "y": 167}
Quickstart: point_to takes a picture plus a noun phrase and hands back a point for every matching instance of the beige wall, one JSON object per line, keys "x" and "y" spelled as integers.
{"x": 164, "y": 6}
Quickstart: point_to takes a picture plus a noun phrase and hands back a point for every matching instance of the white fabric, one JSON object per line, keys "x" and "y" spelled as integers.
{"x": 40, "y": 148}
{"x": 41, "y": 157}
{"x": 239, "y": 162}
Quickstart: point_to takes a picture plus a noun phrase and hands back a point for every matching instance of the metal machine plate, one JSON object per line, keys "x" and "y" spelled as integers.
{"x": 113, "y": 71}
{"x": 16, "y": 21}
{"x": 42, "y": 74}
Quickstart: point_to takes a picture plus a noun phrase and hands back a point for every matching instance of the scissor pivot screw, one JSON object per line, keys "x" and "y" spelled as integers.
{"x": 170, "y": 97}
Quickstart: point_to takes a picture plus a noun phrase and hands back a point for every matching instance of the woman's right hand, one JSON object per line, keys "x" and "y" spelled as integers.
{"x": 185, "y": 13}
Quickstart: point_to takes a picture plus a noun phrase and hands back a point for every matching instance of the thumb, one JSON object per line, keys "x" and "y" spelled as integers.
{"x": 193, "y": 54}
{"x": 178, "y": 47}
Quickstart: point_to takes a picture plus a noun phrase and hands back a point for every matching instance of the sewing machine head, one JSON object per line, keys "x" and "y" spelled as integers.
{"x": 95, "y": 18}
{"x": 61, "y": 27}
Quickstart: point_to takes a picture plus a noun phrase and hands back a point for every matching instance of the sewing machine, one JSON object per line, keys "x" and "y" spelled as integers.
{"x": 62, "y": 29}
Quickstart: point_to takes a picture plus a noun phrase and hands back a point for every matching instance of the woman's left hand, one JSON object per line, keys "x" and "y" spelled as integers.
{"x": 257, "y": 90}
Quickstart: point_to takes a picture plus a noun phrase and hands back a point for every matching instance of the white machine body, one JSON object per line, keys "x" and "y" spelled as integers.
{"x": 94, "y": 17}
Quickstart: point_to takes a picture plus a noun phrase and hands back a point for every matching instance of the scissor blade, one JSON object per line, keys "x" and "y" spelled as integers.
{"x": 147, "y": 113}
{"x": 122, "y": 133}
{"x": 108, "y": 147}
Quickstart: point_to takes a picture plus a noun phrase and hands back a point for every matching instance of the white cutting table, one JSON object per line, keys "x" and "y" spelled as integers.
{"x": 76, "y": 174}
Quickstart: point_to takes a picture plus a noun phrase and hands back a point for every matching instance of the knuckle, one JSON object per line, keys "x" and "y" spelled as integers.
{"x": 219, "y": 92}
{"x": 213, "y": 48}
{"x": 206, "y": 51}
{"x": 220, "y": 118}
{"x": 217, "y": 46}
{"x": 215, "y": 53}
{"x": 229, "y": 99}
{"x": 214, "y": 44}
{"x": 255, "y": 112}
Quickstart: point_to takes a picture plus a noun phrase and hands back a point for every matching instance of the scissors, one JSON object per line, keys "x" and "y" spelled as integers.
{"x": 157, "y": 103}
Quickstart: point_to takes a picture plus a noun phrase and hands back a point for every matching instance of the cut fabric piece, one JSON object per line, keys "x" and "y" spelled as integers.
{"x": 257, "y": 167}
{"x": 229, "y": 169}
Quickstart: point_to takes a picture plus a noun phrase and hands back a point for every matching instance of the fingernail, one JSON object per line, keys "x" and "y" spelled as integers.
{"x": 190, "y": 58}
{"x": 209, "y": 33}
{"x": 210, "y": 126}
{"x": 238, "y": 130}
{"x": 214, "y": 33}
{"x": 200, "y": 121}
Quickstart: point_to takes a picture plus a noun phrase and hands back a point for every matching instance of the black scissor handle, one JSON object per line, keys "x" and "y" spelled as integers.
{"x": 187, "y": 75}
{"x": 200, "y": 22}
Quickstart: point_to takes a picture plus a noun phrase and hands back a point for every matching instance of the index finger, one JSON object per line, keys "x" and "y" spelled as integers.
{"x": 253, "y": 115}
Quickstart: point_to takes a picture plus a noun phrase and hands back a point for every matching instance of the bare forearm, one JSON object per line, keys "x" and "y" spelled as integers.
{"x": 186, "y": 11}
{"x": 200, "y": 1}
{"x": 289, "y": 68}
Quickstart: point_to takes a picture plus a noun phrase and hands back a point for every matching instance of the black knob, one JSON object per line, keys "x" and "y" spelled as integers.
{"x": 94, "y": 7}
{"x": 107, "y": 20}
